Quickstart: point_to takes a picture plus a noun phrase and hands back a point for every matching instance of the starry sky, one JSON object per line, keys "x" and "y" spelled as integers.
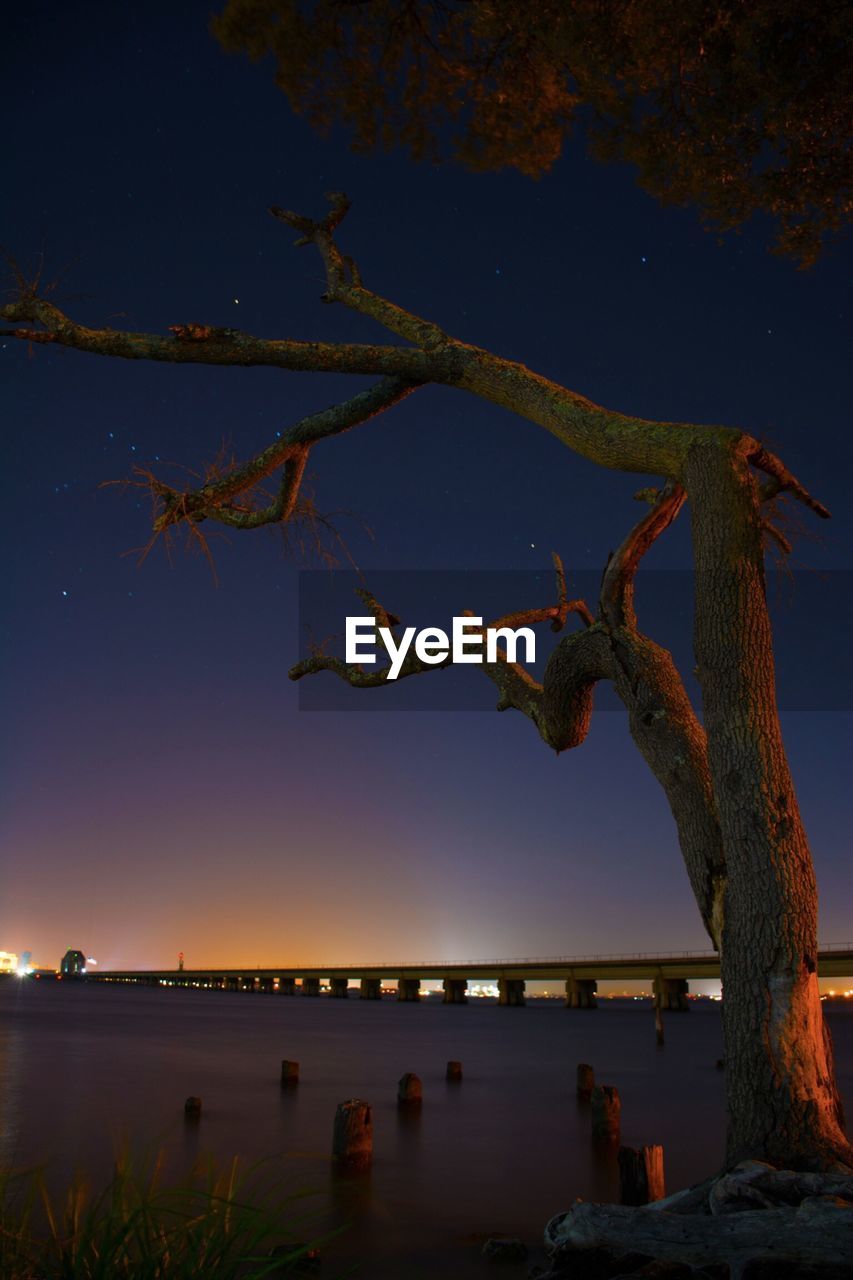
{"x": 166, "y": 788}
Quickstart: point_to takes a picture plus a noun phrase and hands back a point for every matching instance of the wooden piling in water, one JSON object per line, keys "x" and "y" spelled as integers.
{"x": 641, "y": 1178}
{"x": 585, "y": 1081}
{"x": 606, "y": 1111}
{"x": 454, "y": 1070}
{"x": 658, "y": 1025}
{"x": 289, "y": 1072}
{"x": 352, "y": 1136}
{"x": 410, "y": 1092}
{"x": 192, "y": 1108}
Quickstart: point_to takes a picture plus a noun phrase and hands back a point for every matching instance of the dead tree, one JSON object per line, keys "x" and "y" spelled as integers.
{"x": 726, "y": 779}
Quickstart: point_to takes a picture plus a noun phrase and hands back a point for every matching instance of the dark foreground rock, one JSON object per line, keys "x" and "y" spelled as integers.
{"x": 505, "y": 1249}
{"x": 753, "y": 1223}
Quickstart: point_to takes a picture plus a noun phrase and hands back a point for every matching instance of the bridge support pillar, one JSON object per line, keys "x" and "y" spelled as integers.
{"x": 287, "y": 986}
{"x": 310, "y": 986}
{"x": 581, "y": 993}
{"x": 408, "y": 989}
{"x": 370, "y": 989}
{"x": 511, "y": 991}
{"x": 265, "y": 984}
{"x": 233, "y": 984}
{"x": 671, "y": 994}
{"x": 455, "y": 991}
{"x": 339, "y": 988}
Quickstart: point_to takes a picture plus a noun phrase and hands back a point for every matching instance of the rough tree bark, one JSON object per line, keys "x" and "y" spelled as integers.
{"x": 727, "y": 780}
{"x": 782, "y": 1098}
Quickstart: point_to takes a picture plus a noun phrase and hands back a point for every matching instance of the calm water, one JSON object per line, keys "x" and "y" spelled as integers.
{"x": 84, "y": 1068}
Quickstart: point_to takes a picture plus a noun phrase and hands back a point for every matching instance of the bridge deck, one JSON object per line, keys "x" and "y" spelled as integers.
{"x": 833, "y": 962}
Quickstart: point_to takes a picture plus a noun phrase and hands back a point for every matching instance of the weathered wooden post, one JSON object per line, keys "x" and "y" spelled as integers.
{"x": 352, "y": 1137}
{"x": 585, "y": 1081}
{"x": 454, "y": 1070}
{"x": 289, "y": 1072}
{"x": 410, "y": 1092}
{"x": 606, "y": 1110}
{"x": 641, "y": 1177}
{"x": 658, "y": 1025}
{"x": 192, "y": 1109}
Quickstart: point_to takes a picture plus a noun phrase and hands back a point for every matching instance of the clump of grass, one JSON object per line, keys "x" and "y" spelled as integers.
{"x": 213, "y": 1223}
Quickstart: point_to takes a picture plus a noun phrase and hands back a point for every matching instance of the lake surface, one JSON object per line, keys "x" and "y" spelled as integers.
{"x": 85, "y": 1068}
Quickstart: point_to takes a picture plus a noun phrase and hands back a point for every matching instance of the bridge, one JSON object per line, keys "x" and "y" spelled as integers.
{"x": 669, "y": 973}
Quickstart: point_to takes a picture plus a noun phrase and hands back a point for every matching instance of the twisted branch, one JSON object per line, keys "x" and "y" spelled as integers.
{"x": 214, "y": 500}
{"x": 278, "y": 512}
{"x": 616, "y": 597}
{"x": 517, "y": 688}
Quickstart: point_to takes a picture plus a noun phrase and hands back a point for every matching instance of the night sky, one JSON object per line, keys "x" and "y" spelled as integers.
{"x": 163, "y": 790}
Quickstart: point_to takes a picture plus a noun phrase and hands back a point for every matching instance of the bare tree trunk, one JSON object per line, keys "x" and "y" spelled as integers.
{"x": 783, "y": 1104}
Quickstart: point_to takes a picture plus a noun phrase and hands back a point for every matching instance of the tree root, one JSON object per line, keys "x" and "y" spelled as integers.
{"x": 754, "y": 1221}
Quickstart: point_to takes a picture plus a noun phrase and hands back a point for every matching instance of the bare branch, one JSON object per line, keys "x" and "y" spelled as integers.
{"x": 278, "y": 512}
{"x": 382, "y": 616}
{"x": 214, "y": 499}
{"x": 518, "y": 690}
{"x": 360, "y": 677}
{"x": 343, "y": 279}
{"x": 517, "y": 687}
{"x": 203, "y": 344}
{"x": 608, "y": 438}
{"x": 565, "y": 606}
{"x": 616, "y": 598}
{"x": 775, "y": 533}
{"x": 781, "y": 479}
{"x": 555, "y": 614}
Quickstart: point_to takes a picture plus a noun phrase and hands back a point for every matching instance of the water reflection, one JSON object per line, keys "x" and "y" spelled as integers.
{"x": 11, "y": 1078}
{"x": 497, "y": 1153}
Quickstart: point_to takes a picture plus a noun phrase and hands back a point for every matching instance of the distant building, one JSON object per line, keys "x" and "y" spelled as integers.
{"x": 8, "y": 962}
{"x": 73, "y": 964}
